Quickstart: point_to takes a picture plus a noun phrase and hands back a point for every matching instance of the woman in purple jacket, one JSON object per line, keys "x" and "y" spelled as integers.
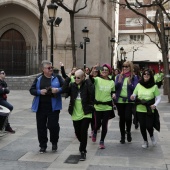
{"x": 125, "y": 83}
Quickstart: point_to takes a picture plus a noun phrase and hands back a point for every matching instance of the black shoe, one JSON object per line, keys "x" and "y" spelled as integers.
{"x": 54, "y": 148}
{"x": 42, "y": 150}
{"x": 129, "y": 138}
{"x": 9, "y": 129}
{"x": 122, "y": 141}
{"x": 82, "y": 156}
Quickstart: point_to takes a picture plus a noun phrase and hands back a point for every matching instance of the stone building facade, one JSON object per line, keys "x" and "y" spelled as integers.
{"x": 19, "y": 21}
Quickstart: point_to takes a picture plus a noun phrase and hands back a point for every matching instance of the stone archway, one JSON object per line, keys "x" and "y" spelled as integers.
{"x": 13, "y": 53}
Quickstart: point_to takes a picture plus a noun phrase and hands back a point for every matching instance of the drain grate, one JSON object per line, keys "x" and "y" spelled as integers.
{"x": 72, "y": 159}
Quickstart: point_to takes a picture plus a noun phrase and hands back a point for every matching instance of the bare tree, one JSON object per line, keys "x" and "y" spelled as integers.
{"x": 158, "y": 24}
{"x": 41, "y": 10}
{"x": 72, "y": 12}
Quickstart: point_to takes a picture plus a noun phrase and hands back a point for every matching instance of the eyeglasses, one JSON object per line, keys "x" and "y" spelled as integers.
{"x": 125, "y": 66}
{"x": 146, "y": 74}
{"x": 105, "y": 69}
{"x": 49, "y": 68}
{"x": 2, "y": 73}
{"x": 77, "y": 78}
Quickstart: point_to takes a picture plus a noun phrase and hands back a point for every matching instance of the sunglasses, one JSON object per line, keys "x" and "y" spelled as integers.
{"x": 146, "y": 74}
{"x": 77, "y": 78}
{"x": 49, "y": 68}
{"x": 2, "y": 72}
{"x": 125, "y": 66}
{"x": 105, "y": 69}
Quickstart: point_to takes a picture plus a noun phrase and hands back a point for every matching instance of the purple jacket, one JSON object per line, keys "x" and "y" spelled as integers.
{"x": 130, "y": 87}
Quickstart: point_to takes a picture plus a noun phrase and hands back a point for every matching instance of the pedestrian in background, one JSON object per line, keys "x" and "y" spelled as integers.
{"x": 64, "y": 75}
{"x": 147, "y": 98}
{"x": 125, "y": 83}
{"x": 81, "y": 94}
{"x": 4, "y": 90}
{"x": 104, "y": 88}
{"x": 95, "y": 72}
{"x": 47, "y": 104}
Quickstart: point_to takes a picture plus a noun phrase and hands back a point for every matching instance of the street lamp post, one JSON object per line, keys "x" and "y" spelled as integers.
{"x": 134, "y": 50}
{"x": 124, "y": 56}
{"x": 52, "y": 9}
{"x": 112, "y": 48}
{"x": 121, "y": 60}
{"x": 86, "y": 39}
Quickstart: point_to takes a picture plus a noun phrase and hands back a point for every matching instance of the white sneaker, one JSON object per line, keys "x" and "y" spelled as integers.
{"x": 145, "y": 145}
{"x": 154, "y": 142}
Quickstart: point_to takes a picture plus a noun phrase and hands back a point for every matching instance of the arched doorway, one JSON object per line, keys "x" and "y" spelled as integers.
{"x": 13, "y": 53}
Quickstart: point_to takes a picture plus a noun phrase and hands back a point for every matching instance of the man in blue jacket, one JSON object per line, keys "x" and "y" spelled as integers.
{"x": 47, "y": 104}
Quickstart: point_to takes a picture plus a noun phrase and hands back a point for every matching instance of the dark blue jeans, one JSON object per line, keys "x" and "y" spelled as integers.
{"x": 6, "y": 104}
{"x": 47, "y": 119}
{"x": 9, "y": 106}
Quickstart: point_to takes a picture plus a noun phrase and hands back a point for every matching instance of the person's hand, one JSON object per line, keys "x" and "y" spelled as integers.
{"x": 54, "y": 90}
{"x": 61, "y": 64}
{"x": 113, "y": 96}
{"x": 132, "y": 97}
{"x": 43, "y": 91}
{"x": 153, "y": 107}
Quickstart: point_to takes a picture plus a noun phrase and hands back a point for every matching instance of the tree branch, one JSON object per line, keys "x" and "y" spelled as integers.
{"x": 85, "y": 5}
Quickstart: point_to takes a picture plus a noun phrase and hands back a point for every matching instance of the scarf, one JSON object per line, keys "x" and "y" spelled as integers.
{"x": 127, "y": 74}
{"x": 147, "y": 84}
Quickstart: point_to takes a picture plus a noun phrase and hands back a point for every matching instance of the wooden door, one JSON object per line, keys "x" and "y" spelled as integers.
{"x": 13, "y": 53}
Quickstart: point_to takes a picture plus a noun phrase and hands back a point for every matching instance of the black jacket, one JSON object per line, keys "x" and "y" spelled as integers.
{"x": 3, "y": 90}
{"x": 86, "y": 93}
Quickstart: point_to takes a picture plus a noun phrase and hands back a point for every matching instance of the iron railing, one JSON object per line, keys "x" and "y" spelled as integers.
{"x": 21, "y": 62}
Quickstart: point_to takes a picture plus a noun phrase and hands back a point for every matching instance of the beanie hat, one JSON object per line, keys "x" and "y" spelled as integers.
{"x": 108, "y": 66}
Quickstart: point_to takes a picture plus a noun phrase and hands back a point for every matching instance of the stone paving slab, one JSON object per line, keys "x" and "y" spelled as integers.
{"x": 18, "y": 165}
{"x": 97, "y": 167}
{"x": 49, "y": 156}
{"x": 11, "y": 155}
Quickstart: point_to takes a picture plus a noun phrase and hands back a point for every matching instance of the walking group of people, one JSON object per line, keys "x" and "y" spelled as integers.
{"x": 93, "y": 95}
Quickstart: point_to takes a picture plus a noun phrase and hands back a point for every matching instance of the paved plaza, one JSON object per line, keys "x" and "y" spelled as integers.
{"x": 19, "y": 151}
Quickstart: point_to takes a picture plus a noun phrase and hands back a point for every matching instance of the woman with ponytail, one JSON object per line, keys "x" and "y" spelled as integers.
{"x": 125, "y": 83}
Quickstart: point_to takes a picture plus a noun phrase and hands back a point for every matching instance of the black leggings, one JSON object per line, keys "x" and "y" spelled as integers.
{"x": 125, "y": 114}
{"x": 81, "y": 130}
{"x": 146, "y": 123}
{"x": 101, "y": 119}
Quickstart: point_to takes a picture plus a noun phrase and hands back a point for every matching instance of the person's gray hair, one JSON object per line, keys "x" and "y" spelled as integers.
{"x": 45, "y": 62}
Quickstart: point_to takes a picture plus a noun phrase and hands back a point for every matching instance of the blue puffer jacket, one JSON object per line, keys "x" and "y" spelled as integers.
{"x": 35, "y": 90}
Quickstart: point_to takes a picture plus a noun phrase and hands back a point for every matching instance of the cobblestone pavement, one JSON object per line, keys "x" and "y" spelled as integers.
{"x": 19, "y": 151}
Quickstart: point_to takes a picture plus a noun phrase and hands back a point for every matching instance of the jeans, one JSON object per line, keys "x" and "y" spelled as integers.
{"x": 6, "y": 104}
{"x": 10, "y": 107}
